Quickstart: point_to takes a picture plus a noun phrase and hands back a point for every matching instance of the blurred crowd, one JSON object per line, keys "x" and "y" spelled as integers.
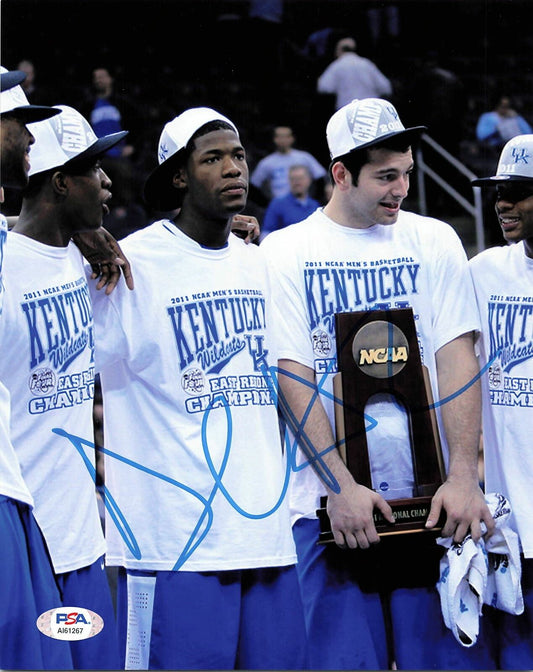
{"x": 270, "y": 67}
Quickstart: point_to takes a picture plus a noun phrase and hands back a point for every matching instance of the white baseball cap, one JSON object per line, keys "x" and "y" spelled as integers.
{"x": 363, "y": 123}
{"x": 158, "y": 189}
{"x": 67, "y": 140}
{"x": 14, "y": 101}
{"x": 515, "y": 164}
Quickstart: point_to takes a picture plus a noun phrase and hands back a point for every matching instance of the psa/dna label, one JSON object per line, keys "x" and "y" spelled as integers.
{"x": 70, "y": 623}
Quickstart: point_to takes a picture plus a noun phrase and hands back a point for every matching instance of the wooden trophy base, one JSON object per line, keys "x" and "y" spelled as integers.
{"x": 410, "y": 515}
{"x": 377, "y": 352}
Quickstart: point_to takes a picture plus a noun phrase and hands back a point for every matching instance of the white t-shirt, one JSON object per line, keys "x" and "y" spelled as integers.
{"x": 320, "y": 268}
{"x": 11, "y": 481}
{"x": 503, "y": 282}
{"x": 196, "y": 467}
{"x": 48, "y": 366}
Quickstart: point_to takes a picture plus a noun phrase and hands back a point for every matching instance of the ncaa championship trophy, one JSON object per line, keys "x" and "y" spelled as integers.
{"x": 377, "y": 352}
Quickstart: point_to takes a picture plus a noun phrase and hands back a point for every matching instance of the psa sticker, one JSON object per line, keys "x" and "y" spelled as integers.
{"x": 70, "y": 623}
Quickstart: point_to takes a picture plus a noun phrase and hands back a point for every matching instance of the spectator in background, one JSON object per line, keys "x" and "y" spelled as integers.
{"x": 500, "y": 125}
{"x": 28, "y": 85}
{"x": 110, "y": 112}
{"x": 294, "y": 206}
{"x": 351, "y": 76}
{"x": 34, "y": 93}
{"x": 271, "y": 175}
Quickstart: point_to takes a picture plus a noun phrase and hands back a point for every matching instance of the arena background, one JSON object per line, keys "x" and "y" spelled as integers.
{"x": 168, "y": 55}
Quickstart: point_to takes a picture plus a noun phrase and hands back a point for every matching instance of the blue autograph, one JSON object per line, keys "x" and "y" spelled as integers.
{"x": 206, "y": 518}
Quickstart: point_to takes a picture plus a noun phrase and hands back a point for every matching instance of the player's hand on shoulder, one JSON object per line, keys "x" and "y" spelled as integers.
{"x": 107, "y": 260}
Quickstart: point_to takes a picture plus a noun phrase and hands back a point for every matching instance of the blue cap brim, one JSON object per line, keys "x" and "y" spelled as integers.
{"x": 10, "y": 79}
{"x": 97, "y": 149}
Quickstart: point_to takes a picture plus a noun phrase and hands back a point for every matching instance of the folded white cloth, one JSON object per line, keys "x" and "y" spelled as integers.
{"x": 476, "y": 573}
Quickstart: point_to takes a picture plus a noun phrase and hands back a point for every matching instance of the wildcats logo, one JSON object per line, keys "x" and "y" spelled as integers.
{"x": 59, "y": 327}
{"x": 211, "y": 332}
{"x": 61, "y": 347}
{"x": 510, "y": 332}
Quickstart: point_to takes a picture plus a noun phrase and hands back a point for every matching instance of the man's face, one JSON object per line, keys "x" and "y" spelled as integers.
{"x": 217, "y": 175}
{"x": 514, "y": 208}
{"x": 381, "y": 188}
{"x": 283, "y": 138}
{"x": 102, "y": 80}
{"x": 88, "y": 197}
{"x": 504, "y": 106}
{"x": 299, "y": 182}
{"x": 28, "y": 68}
{"x": 15, "y": 142}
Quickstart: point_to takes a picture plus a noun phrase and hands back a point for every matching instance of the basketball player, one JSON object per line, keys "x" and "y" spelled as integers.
{"x": 28, "y": 588}
{"x": 361, "y": 252}
{"x": 48, "y": 364}
{"x": 207, "y": 560}
{"x": 503, "y": 282}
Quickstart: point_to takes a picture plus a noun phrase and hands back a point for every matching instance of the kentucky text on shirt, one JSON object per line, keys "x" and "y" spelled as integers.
{"x": 330, "y": 290}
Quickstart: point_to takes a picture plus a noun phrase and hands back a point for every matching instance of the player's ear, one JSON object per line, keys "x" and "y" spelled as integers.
{"x": 341, "y": 175}
{"x": 59, "y": 183}
{"x": 179, "y": 179}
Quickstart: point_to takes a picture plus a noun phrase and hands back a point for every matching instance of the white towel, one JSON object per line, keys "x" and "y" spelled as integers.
{"x": 476, "y": 573}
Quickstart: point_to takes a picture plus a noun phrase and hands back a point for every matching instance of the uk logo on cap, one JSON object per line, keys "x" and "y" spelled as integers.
{"x": 520, "y": 155}
{"x": 515, "y": 162}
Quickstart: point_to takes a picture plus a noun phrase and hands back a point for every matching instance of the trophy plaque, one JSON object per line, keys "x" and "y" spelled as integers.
{"x": 377, "y": 352}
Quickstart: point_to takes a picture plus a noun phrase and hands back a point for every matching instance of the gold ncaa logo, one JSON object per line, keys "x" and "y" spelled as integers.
{"x": 380, "y": 349}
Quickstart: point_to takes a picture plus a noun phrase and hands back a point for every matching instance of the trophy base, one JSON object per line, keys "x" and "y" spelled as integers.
{"x": 410, "y": 515}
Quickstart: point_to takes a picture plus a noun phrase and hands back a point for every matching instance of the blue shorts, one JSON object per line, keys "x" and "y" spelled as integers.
{"x": 88, "y": 588}
{"x": 513, "y": 635}
{"x": 27, "y": 589}
{"x": 241, "y": 619}
{"x": 365, "y": 609}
